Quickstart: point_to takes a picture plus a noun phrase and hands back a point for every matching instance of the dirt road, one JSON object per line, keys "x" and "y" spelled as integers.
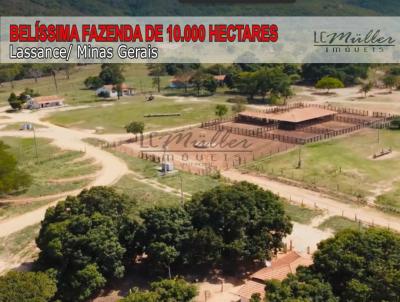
{"x": 311, "y": 199}
{"x": 112, "y": 168}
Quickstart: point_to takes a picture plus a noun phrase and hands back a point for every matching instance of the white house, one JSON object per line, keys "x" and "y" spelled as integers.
{"x": 111, "y": 91}
{"x": 45, "y": 102}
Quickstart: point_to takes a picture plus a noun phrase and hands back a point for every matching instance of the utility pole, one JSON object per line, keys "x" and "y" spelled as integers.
{"x": 180, "y": 176}
{"x": 379, "y": 135}
{"x": 34, "y": 139}
{"x": 299, "y": 162}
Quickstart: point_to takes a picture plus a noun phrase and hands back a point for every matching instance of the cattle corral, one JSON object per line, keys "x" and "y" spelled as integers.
{"x": 226, "y": 143}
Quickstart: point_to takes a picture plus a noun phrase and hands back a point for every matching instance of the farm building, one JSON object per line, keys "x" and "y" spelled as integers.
{"x": 111, "y": 91}
{"x": 234, "y": 141}
{"x": 291, "y": 119}
{"x": 181, "y": 81}
{"x": 45, "y": 102}
{"x": 277, "y": 269}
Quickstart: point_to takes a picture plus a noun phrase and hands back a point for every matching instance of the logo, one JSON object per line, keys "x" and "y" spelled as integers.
{"x": 374, "y": 41}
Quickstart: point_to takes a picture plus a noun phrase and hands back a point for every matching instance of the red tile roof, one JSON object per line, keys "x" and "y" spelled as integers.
{"x": 280, "y": 267}
{"x": 250, "y": 288}
{"x": 47, "y": 99}
{"x": 220, "y": 77}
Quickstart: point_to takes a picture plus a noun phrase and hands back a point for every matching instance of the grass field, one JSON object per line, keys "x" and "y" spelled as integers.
{"x": 52, "y": 164}
{"x": 390, "y": 198}
{"x": 300, "y": 214}
{"x": 341, "y": 165}
{"x": 191, "y": 183}
{"x": 19, "y": 245}
{"x": 338, "y": 223}
{"x": 145, "y": 195}
{"x": 114, "y": 117}
{"x": 8, "y": 210}
{"x": 74, "y": 90}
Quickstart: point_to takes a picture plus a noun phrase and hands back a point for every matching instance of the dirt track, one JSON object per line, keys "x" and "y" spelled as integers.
{"x": 311, "y": 199}
{"x": 112, "y": 168}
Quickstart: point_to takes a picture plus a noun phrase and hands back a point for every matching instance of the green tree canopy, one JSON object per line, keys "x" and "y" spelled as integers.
{"x": 221, "y": 110}
{"x": 14, "y": 102}
{"x": 303, "y": 287}
{"x": 355, "y": 265}
{"x": 164, "y": 233}
{"x": 93, "y": 82}
{"x": 329, "y": 83}
{"x": 366, "y": 87}
{"x": 112, "y": 74}
{"x": 156, "y": 71}
{"x": 84, "y": 239}
{"x": 135, "y": 127}
{"x": 12, "y": 179}
{"x": 365, "y": 264}
{"x": 172, "y": 290}
{"x": 246, "y": 221}
{"x": 27, "y": 287}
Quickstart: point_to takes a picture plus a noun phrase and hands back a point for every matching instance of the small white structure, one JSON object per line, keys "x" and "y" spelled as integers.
{"x": 111, "y": 91}
{"x": 45, "y": 102}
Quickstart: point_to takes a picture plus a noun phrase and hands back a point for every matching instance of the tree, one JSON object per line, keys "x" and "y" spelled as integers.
{"x": 162, "y": 256}
{"x": 15, "y": 102}
{"x": 175, "y": 290}
{"x": 210, "y": 84}
{"x": 135, "y": 295}
{"x": 221, "y": 110}
{"x": 390, "y": 81}
{"x": 112, "y": 74}
{"x": 239, "y": 104}
{"x": 84, "y": 239}
{"x": 12, "y": 178}
{"x": 197, "y": 80}
{"x": 361, "y": 265}
{"x": 27, "y": 287}
{"x": 164, "y": 233}
{"x": 246, "y": 83}
{"x": 87, "y": 281}
{"x": 93, "y": 82}
{"x": 329, "y": 83}
{"x": 366, "y": 87}
{"x": 156, "y": 71}
{"x": 349, "y": 74}
{"x": 299, "y": 287}
{"x": 135, "y": 128}
{"x": 255, "y": 298}
{"x": 248, "y": 222}
{"x": 54, "y": 74}
{"x": 395, "y": 123}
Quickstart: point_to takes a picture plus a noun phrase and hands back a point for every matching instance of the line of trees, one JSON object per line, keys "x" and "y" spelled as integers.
{"x": 13, "y": 72}
{"x": 89, "y": 240}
